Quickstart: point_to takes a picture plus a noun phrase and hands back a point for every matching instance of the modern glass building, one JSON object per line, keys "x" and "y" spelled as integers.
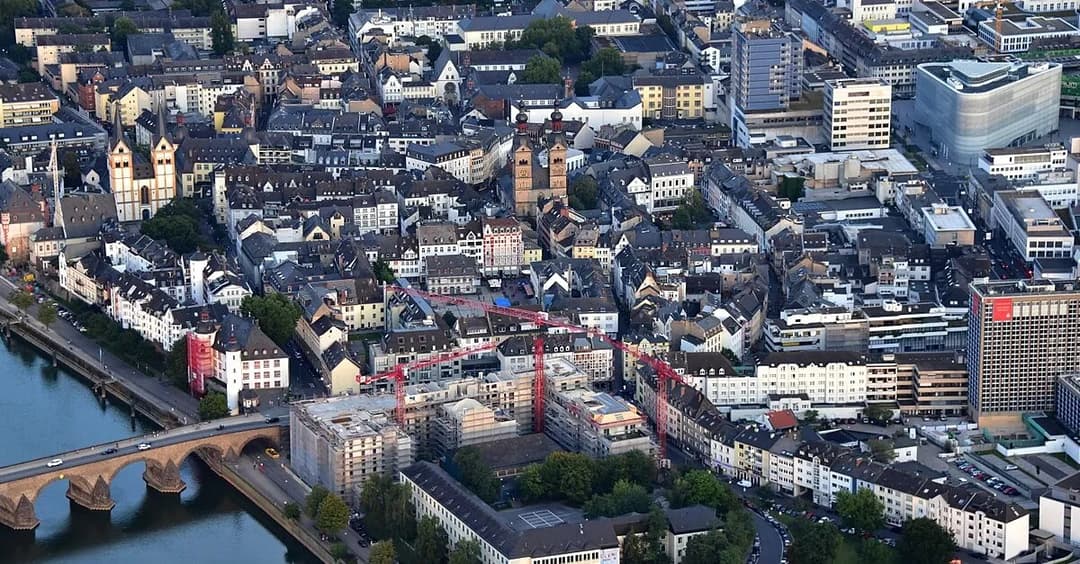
{"x": 969, "y": 106}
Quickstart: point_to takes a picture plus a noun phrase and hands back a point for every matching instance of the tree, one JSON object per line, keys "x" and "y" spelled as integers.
{"x": 386, "y": 503}
{"x": 541, "y": 70}
{"x": 221, "y": 33}
{"x": 871, "y": 550}
{"x": 333, "y": 515}
{"x": 176, "y": 364}
{"x": 634, "y": 467}
{"x": 72, "y": 172}
{"x": 692, "y": 211}
{"x": 583, "y": 193}
{"x": 277, "y": 315}
{"x": 382, "y": 552}
{"x": 431, "y": 540}
{"x": 9, "y": 10}
{"x": 465, "y": 552}
{"x": 213, "y": 406}
{"x": 21, "y": 299}
{"x": 712, "y": 548}
{"x": 624, "y": 498}
{"x": 702, "y": 486}
{"x": 47, "y": 313}
{"x": 923, "y": 540}
{"x": 861, "y": 510}
{"x": 569, "y": 476}
{"x": 341, "y": 11}
{"x": 810, "y": 415}
{"x": 475, "y": 474}
{"x": 731, "y": 356}
{"x": 314, "y": 499}
{"x": 531, "y": 483}
{"x": 556, "y": 37}
{"x": 605, "y": 62}
{"x": 877, "y": 413}
{"x": 121, "y": 29}
{"x": 383, "y": 272}
{"x": 881, "y": 450}
{"x": 291, "y": 511}
{"x": 339, "y": 552}
{"x": 179, "y": 232}
{"x": 434, "y": 48}
{"x": 3, "y": 254}
{"x": 814, "y": 543}
{"x": 791, "y": 187}
{"x": 581, "y": 84}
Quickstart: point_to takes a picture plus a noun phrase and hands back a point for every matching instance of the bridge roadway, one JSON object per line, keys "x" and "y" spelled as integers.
{"x": 90, "y": 471}
{"x": 126, "y": 447}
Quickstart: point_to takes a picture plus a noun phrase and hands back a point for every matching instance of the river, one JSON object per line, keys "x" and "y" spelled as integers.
{"x": 44, "y": 410}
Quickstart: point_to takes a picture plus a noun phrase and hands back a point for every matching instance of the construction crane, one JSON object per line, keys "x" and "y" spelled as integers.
{"x": 664, "y": 372}
{"x": 397, "y": 374}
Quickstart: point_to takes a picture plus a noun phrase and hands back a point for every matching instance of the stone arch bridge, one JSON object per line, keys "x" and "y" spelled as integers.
{"x": 89, "y": 471}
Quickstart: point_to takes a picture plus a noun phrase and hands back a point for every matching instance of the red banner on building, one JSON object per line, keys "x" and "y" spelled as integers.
{"x": 1003, "y": 309}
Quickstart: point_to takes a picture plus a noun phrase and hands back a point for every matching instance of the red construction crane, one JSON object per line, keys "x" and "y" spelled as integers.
{"x": 664, "y": 371}
{"x": 397, "y": 374}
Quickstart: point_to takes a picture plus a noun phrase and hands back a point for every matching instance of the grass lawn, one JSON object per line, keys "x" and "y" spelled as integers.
{"x": 848, "y": 553}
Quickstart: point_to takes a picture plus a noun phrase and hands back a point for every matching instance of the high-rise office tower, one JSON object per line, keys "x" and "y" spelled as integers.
{"x": 766, "y": 70}
{"x": 1022, "y": 335}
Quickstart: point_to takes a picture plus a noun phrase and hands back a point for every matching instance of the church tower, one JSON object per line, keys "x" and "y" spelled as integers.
{"x": 163, "y": 160}
{"x": 523, "y": 166}
{"x": 121, "y": 167}
{"x": 557, "y": 156}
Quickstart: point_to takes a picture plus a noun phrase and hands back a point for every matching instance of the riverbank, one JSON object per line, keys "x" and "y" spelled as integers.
{"x": 103, "y": 381}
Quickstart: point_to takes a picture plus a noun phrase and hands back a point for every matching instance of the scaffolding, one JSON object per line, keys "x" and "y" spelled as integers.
{"x": 200, "y": 362}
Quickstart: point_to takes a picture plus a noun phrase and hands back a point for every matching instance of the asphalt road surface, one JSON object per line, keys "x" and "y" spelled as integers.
{"x": 125, "y": 447}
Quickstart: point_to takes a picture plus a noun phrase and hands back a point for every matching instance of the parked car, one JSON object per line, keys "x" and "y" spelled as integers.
{"x": 54, "y": 462}
{"x": 144, "y": 446}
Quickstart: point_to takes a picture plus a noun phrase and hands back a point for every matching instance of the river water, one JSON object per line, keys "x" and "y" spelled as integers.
{"x": 44, "y": 410}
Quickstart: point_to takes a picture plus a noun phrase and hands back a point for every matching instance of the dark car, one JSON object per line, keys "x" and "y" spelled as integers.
{"x": 108, "y": 451}
{"x": 274, "y": 419}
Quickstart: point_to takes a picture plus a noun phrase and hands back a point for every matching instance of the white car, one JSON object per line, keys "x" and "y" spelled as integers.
{"x": 54, "y": 462}
{"x": 144, "y": 446}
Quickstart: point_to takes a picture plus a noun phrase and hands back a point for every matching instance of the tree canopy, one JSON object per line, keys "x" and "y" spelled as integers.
{"x": 583, "y": 193}
{"x": 333, "y": 515}
{"x": 881, "y": 450}
{"x": 177, "y": 224}
{"x": 475, "y": 475}
{"x": 556, "y": 37}
{"x": 221, "y": 33}
{"x": 861, "y": 510}
{"x": 46, "y": 313}
{"x": 465, "y": 552}
{"x": 276, "y": 313}
{"x": 923, "y": 540}
{"x": 712, "y": 548}
{"x": 624, "y": 498}
{"x": 387, "y": 508}
{"x": 21, "y": 299}
{"x": 702, "y": 487}
{"x": 541, "y": 69}
{"x": 431, "y": 540}
{"x": 341, "y": 11}
{"x": 213, "y": 406}
{"x": 383, "y": 552}
{"x": 383, "y": 272}
{"x": 314, "y": 499}
{"x": 814, "y": 543}
{"x": 9, "y": 10}
{"x": 692, "y": 212}
{"x": 605, "y": 62}
{"x": 122, "y": 27}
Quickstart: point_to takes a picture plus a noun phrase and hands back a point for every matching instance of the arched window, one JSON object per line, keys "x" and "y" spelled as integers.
{"x": 144, "y": 195}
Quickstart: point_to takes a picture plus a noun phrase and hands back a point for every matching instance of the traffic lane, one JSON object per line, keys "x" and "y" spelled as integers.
{"x": 122, "y": 448}
{"x": 772, "y": 544}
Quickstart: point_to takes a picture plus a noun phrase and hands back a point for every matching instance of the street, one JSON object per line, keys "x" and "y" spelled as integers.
{"x": 772, "y": 544}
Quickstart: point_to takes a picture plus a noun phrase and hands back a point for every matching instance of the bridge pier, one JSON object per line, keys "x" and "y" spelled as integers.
{"x": 18, "y": 515}
{"x": 96, "y": 499}
{"x": 164, "y": 478}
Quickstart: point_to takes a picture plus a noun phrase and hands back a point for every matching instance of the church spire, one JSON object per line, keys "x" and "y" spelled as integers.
{"x": 118, "y": 126}
{"x": 161, "y": 130}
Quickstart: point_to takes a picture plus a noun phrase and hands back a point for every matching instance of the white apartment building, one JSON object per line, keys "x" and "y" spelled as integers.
{"x": 594, "y": 423}
{"x": 858, "y": 113}
{"x": 245, "y": 358}
{"x": 669, "y": 179}
{"x": 340, "y": 442}
{"x": 1023, "y": 163}
{"x": 1031, "y": 225}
